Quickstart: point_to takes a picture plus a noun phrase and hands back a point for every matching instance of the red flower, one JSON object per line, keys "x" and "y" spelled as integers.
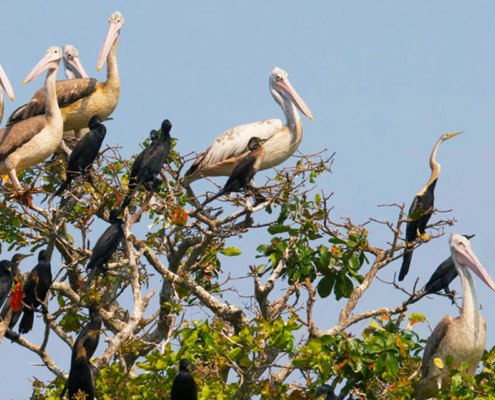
{"x": 16, "y": 297}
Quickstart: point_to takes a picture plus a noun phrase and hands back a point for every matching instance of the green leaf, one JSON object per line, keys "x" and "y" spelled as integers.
{"x": 230, "y": 251}
{"x": 392, "y": 364}
{"x": 325, "y": 286}
{"x": 235, "y": 353}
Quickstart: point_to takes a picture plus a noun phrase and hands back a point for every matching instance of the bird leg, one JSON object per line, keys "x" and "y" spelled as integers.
{"x": 65, "y": 148}
{"x": 424, "y": 237}
{"x": 15, "y": 181}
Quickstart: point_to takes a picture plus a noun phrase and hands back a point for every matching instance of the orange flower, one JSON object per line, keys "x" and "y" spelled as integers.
{"x": 385, "y": 317}
{"x": 180, "y": 216}
{"x": 392, "y": 388}
{"x": 335, "y": 249}
{"x": 16, "y": 297}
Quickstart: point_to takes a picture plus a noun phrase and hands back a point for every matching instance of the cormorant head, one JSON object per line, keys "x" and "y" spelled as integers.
{"x": 6, "y": 265}
{"x": 43, "y": 255}
{"x": 254, "y": 142}
{"x": 94, "y": 310}
{"x": 114, "y": 215}
{"x": 325, "y": 389}
{"x": 153, "y": 135}
{"x": 184, "y": 364}
{"x": 166, "y": 127}
{"x": 96, "y": 120}
{"x": 17, "y": 258}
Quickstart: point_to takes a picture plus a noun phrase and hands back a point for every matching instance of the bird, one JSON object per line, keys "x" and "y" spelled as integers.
{"x": 184, "y": 386}
{"x": 35, "y": 290}
{"x": 73, "y": 68}
{"x": 30, "y": 142}
{"x": 422, "y": 207}
{"x": 6, "y": 279}
{"x": 106, "y": 246}
{"x": 326, "y": 389}
{"x": 150, "y": 161}
{"x": 464, "y": 337}
{"x": 245, "y": 169}
{"x": 283, "y": 140}
{"x": 90, "y": 333}
{"x": 5, "y": 85}
{"x": 85, "y": 152}
{"x": 80, "y": 99}
{"x": 81, "y": 378}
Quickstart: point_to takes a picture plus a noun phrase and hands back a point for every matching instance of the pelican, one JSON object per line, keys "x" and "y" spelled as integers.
{"x": 80, "y": 99}
{"x": 464, "y": 337}
{"x": 423, "y": 204}
{"x": 5, "y": 84}
{"x": 283, "y": 140}
{"x": 73, "y": 68}
{"x": 29, "y": 142}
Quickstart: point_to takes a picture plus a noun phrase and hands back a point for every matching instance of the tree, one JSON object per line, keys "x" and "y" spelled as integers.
{"x": 264, "y": 344}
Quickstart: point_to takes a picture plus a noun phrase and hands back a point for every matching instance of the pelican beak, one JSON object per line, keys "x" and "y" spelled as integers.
{"x": 49, "y": 61}
{"x": 112, "y": 36}
{"x": 466, "y": 257}
{"x": 4, "y": 81}
{"x": 76, "y": 64}
{"x": 285, "y": 85}
{"x": 451, "y": 135}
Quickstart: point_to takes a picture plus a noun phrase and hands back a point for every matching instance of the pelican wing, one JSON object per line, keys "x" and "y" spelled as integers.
{"x": 233, "y": 143}
{"x": 68, "y": 92}
{"x": 433, "y": 342}
{"x": 15, "y": 136}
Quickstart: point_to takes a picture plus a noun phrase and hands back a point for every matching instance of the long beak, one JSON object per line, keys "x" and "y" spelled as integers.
{"x": 451, "y": 135}
{"x": 76, "y": 64}
{"x": 112, "y": 36}
{"x": 294, "y": 97}
{"x": 466, "y": 257}
{"x": 4, "y": 81}
{"x": 49, "y": 61}
{"x": 25, "y": 255}
{"x": 107, "y": 119}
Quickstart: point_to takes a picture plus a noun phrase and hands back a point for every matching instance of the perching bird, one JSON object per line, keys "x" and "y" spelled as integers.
{"x": 423, "y": 205}
{"x": 29, "y": 142}
{"x": 283, "y": 140}
{"x": 106, "y": 246}
{"x": 6, "y": 279}
{"x": 245, "y": 170}
{"x": 326, "y": 390}
{"x": 80, "y": 99}
{"x": 35, "y": 290}
{"x": 464, "y": 338}
{"x": 149, "y": 162}
{"x": 90, "y": 333}
{"x": 73, "y": 68}
{"x": 81, "y": 378}
{"x": 184, "y": 386}
{"x": 85, "y": 152}
{"x": 5, "y": 85}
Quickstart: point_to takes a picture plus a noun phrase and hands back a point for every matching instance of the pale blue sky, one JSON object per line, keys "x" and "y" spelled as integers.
{"x": 383, "y": 79}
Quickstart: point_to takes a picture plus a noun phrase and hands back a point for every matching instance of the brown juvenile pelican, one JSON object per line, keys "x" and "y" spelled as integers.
{"x": 245, "y": 170}
{"x": 5, "y": 84}
{"x": 29, "y": 142}
{"x": 464, "y": 337}
{"x": 73, "y": 68}
{"x": 283, "y": 140}
{"x": 423, "y": 205}
{"x": 80, "y": 99}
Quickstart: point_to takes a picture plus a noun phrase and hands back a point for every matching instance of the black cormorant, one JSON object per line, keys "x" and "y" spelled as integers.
{"x": 6, "y": 279}
{"x": 421, "y": 208}
{"x": 90, "y": 334}
{"x": 81, "y": 378}
{"x": 149, "y": 162}
{"x": 326, "y": 389}
{"x": 184, "y": 386}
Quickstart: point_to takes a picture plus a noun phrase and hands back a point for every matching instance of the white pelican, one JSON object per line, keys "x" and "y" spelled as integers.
{"x": 31, "y": 141}
{"x": 283, "y": 140}
{"x": 5, "y": 84}
{"x": 463, "y": 338}
{"x": 80, "y": 99}
{"x": 73, "y": 68}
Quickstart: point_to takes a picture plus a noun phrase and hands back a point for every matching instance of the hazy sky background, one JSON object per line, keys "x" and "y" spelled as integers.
{"x": 383, "y": 80}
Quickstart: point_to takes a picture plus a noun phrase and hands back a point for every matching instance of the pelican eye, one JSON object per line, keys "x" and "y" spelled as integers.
{"x": 118, "y": 21}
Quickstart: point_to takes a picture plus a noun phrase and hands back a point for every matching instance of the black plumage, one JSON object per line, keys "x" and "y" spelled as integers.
{"x": 81, "y": 378}
{"x": 149, "y": 162}
{"x": 6, "y": 279}
{"x": 245, "y": 170}
{"x": 184, "y": 386}
{"x": 35, "y": 290}
{"x": 90, "y": 334}
{"x": 326, "y": 389}
{"x": 422, "y": 208}
{"x": 85, "y": 152}
{"x": 106, "y": 246}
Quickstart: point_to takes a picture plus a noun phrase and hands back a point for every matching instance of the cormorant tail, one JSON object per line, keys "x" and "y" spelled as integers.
{"x": 27, "y": 321}
{"x": 406, "y": 262}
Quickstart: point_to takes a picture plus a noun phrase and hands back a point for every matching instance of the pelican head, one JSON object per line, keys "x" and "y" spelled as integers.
{"x": 116, "y": 22}
{"x": 5, "y": 83}
{"x": 73, "y": 67}
{"x": 254, "y": 142}
{"x": 50, "y": 61}
{"x": 281, "y": 89}
{"x": 463, "y": 257}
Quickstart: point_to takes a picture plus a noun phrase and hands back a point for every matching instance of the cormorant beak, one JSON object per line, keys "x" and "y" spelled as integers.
{"x": 4, "y": 81}
{"x": 107, "y": 119}
{"x": 49, "y": 61}
{"x": 23, "y": 256}
{"x": 466, "y": 257}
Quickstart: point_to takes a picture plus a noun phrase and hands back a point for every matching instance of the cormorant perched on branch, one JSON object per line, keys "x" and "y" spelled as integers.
{"x": 81, "y": 377}
{"x": 326, "y": 389}
{"x": 105, "y": 246}
{"x": 35, "y": 290}
{"x": 90, "y": 333}
{"x": 421, "y": 208}
{"x": 8, "y": 271}
{"x": 184, "y": 386}
{"x": 85, "y": 152}
{"x": 245, "y": 170}
{"x": 150, "y": 162}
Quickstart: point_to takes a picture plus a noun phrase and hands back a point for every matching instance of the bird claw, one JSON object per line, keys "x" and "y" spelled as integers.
{"x": 425, "y": 237}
